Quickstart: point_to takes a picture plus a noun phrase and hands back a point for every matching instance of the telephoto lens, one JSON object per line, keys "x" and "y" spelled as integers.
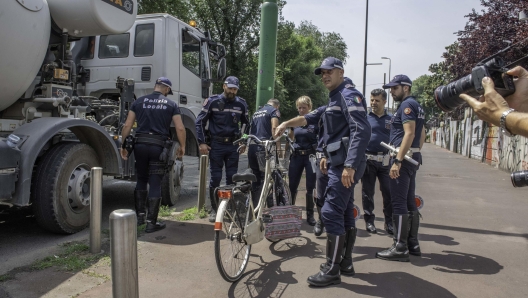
{"x": 519, "y": 179}
{"x": 447, "y": 97}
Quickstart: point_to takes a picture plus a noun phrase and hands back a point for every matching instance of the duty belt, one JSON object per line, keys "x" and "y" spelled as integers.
{"x": 304, "y": 152}
{"x": 378, "y": 158}
{"x": 319, "y": 155}
{"x": 224, "y": 139}
{"x": 151, "y": 139}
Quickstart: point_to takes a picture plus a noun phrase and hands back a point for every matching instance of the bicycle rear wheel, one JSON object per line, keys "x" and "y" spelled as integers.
{"x": 231, "y": 251}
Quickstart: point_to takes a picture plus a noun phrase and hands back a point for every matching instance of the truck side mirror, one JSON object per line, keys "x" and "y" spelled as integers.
{"x": 222, "y": 69}
{"x": 221, "y": 51}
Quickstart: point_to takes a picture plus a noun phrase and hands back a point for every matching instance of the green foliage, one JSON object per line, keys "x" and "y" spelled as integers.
{"x": 164, "y": 211}
{"x": 192, "y": 213}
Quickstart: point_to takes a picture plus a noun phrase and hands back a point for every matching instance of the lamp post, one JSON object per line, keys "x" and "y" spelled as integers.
{"x": 365, "y": 58}
{"x": 390, "y": 63}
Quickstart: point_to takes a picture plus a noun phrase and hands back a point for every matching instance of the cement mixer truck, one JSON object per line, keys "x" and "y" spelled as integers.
{"x": 70, "y": 70}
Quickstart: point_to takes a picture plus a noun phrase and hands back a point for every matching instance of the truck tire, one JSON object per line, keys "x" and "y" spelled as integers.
{"x": 171, "y": 183}
{"x": 61, "y": 188}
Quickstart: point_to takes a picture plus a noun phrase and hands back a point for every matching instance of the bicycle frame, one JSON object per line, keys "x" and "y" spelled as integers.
{"x": 254, "y": 231}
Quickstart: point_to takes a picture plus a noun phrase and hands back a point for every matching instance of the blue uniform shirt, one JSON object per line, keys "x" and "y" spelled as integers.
{"x": 380, "y": 132}
{"x": 346, "y": 116}
{"x": 409, "y": 110}
{"x": 261, "y": 122}
{"x": 315, "y": 117}
{"x": 223, "y": 117}
{"x": 154, "y": 114}
{"x": 305, "y": 137}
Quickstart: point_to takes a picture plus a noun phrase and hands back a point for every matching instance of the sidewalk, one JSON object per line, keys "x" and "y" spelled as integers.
{"x": 473, "y": 238}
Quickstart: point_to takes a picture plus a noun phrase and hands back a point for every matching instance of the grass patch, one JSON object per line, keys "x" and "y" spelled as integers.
{"x": 165, "y": 211}
{"x": 6, "y": 277}
{"x": 192, "y": 213}
{"x": 75, "y": 256}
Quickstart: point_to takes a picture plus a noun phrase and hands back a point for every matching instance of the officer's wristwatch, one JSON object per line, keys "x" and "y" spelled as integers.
{"x": 397, "y": 161}
{"x": 349, "y": 166}
{"x": 503, "y": 123}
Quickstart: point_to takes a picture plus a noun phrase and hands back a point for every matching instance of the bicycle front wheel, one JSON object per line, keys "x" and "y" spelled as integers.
{"x": 231, "y": 251}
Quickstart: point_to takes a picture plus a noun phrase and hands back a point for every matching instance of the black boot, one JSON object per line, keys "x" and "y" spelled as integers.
{"x": 152, "y": 217}
{"x": 389, "y": 229}
{"x": 140, "y": 199}
{"x": 212, "y": 198}
{"x": 412, "y": 241}
{"x": 398, "y": 251}
{"x": 310, "y": 209}
{"x": 319, "y": 225}
{"x": 294, "y": 198}
{"x": 330, "y": 274}
{"x": 347, "y": 268}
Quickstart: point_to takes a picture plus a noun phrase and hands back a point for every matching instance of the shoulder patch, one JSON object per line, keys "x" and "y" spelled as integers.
{"x": 277, "y": 113}
{"x": 407, "y": 111}
{"x": 349, "y": 86}
{"x": 205, "y": 102}
{"x": 356, "y": 99}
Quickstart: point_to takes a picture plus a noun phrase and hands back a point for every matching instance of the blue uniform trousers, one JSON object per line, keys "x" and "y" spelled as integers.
{"x": 322, "y": 183}
{"x": 298, "y": 163}
{"x": 222, "y": 154}
{"x": 338, "y": 209}
{"x": 374, "y": 170}
{"x": 402, "y": 189}
{"x": 144, "y": 155}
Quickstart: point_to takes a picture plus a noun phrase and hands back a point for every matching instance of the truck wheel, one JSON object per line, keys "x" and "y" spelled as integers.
{"x": 61, "y": 188}
{"x": 171, "y": 183}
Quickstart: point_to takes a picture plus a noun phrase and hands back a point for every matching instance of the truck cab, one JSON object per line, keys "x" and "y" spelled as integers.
{"x": 157, "y": 45}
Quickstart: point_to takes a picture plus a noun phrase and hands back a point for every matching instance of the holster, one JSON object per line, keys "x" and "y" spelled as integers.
{"x": 129, "y": 143}
{"x": 337, "y": 152}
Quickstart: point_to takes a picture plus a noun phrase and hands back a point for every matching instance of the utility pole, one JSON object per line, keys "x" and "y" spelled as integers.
{"x": 365, "y": 58}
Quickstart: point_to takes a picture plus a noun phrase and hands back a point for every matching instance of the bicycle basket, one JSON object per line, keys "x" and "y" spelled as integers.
{"x": 284, "y": 158}
{"x": 286, "y": 222}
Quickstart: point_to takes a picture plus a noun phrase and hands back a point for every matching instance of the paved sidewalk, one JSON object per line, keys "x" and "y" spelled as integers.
{"x": 473, "y": 238}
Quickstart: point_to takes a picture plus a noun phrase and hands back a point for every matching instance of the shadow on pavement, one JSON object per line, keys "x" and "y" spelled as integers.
{"x": 440, "y": 239}
{"x": 269, "y": 280}
{"x": 458, "y": 262}
{"x": 394, "y": 284}
{"x": 181, "y": 233}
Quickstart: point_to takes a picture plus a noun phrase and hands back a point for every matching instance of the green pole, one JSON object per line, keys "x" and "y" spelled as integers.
{"x": 267, "y": 52}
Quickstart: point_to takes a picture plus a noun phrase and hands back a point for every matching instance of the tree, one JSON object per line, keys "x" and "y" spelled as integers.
{"x": 177, "y": 8}
{"x": 486, "y": 33}
{"x": 331, "y": 43}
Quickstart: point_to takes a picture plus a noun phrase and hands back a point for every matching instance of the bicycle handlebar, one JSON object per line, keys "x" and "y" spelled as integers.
{"x": 248, "y": 138}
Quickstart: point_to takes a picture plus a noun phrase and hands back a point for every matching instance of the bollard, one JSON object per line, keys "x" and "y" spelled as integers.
{"x": 96, "y": 195}
{"x": 123, "y": 253}
{"x": 202, "y": 185}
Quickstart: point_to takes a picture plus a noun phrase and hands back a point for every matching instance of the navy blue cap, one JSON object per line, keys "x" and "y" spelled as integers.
{"x": 232, "y": 82}
{"x": 329, "y": 63}
{"x": 398, "y": 80}
{"x": 166, "y": 82}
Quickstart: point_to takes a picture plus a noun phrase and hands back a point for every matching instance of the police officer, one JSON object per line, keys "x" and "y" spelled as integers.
{"x": 305, "y": 143}
{"x": 407, "y": 132}
{"x": 377, "y": 162}
{"x": 347, "y": 133}
{"x": 224, "y": 113}
{"x": 321, "y": 170}
{"x": 154, "y": 114}
{"x": 263, "y": 123}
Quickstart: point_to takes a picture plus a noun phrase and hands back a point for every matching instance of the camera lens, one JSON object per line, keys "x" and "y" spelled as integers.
{"x": 447, "y": 97}
{"x": 519, "y": 179}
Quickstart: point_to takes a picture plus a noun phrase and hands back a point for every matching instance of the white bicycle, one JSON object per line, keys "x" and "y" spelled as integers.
{"x": 239, "y": 224}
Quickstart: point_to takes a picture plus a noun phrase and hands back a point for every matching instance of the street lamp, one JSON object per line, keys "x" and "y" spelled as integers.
{"x": 390, "y": 63}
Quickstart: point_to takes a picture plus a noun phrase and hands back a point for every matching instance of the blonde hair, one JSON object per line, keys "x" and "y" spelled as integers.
{"x": 304, "y": 100}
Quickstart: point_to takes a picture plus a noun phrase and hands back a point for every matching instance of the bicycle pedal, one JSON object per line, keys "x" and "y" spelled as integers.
{"x": 267, "y": 218}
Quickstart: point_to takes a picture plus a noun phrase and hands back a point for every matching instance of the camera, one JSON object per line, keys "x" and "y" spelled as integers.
{"x": 447, "y": 97}
{"x": 519, "y": 179}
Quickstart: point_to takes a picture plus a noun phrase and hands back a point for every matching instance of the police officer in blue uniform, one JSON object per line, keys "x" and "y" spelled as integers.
{"x": 305, "y": 143}
{"x": 154, "y": 114}
{"x": 377, "y": 162}
{"x": 263, "y": 123}
{"x": 407, "y": 132}
{"x": 347, "y": 133}
{"x": 224, "y": 113}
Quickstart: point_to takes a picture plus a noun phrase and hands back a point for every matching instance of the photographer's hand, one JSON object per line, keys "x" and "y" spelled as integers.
{"x": 519, "y": 99}
{"x": 490, "y": 106}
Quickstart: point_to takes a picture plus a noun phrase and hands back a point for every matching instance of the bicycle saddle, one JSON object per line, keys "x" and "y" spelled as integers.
{"x": 246, "y": 176}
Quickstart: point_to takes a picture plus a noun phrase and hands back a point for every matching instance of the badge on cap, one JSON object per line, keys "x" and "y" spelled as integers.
{"x": 407, "y": 111}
